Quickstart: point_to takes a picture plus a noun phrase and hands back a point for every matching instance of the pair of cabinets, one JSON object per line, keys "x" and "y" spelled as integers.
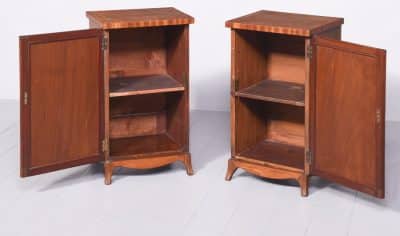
{"x": 302, "y": 101}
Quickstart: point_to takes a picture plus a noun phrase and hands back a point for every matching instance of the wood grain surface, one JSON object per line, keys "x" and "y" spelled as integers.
{"x": 62, "y": 120}
{"x": 284, "y": 23}
{"x": 348, "y": 136}
{"x": 138, "y": 18}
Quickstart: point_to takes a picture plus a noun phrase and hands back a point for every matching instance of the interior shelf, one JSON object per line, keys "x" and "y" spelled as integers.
{"x": 138, "y": 85}
{"x": 276, "y": 153}
{"x": 275, "y": 91}
{"x": 122, "y": 148}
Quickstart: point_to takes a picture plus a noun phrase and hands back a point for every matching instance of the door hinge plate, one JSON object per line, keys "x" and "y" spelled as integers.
{"x": 309, "y": 52}
{"x": 104, "y": 145}
{"x": 309, "y": 157}
{"x": 104, "y": 44}
{"x": 185, "y": 79}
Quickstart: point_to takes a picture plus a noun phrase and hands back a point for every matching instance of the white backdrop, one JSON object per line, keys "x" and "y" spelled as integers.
{"x": 366, "y": 22}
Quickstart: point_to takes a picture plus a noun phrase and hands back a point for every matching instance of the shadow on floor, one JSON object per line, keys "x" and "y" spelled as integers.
{"x": 96, "y": 172}
{"x": 210, "y": 141}
{"x": 92, "y": 172}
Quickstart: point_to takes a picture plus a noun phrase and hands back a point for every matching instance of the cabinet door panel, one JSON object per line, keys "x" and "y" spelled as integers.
{"x": 62, "y": 113}
{"x": 348, "y": 114}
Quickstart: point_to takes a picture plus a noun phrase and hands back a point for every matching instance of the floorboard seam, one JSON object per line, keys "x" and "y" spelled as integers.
{"x": 8, "y": 150}
{"x": 8, "y": 128}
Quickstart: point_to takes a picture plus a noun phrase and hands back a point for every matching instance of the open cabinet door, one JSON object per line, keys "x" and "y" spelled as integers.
{"x": 62, "y": 113}
{"x": 347, "y": 114}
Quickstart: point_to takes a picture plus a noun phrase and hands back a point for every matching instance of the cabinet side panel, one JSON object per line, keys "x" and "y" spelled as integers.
{"x": 248, "y": 67}
{"x": 177, "y": 38}
{"x": 232, "y": 94}
{"x": 334, "y": 33}
{"x": 250, "y": 58}
{"x": 308, "y": 93}
{"x": 106, "y": 82}
{"x": 251, "y": 125}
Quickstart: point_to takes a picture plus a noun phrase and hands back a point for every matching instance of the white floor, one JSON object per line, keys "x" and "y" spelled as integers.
{"x": 168, "y": 202}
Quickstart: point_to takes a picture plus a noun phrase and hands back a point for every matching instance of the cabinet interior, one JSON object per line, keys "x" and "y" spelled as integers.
{"x": 270, "y": 132}
{"x": 147, "y": 91}
{"x": 145, "y": 124}
{"x": 270, "y": 67}
{"x": 146, "y": 60}
{"x": 270, "y": 70}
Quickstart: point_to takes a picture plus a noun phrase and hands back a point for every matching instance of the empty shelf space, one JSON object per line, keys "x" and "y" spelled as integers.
{"x": 275, "y": 91}
{"x": 137, "y": 85}
{"x": 122, "y": 148}
{"x": 276, "y": 153}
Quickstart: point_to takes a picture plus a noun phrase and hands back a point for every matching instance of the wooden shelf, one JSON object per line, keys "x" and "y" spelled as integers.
{"x": 275, "y": 91}
{"x": 138, "y": 85}
{"x": 125, "y": 148}
{"x": 276, "y": 153}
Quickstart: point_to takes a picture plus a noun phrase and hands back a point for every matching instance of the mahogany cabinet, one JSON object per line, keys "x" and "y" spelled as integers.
{"x": 116, "y": 93}
{"x": 303, "y": 102}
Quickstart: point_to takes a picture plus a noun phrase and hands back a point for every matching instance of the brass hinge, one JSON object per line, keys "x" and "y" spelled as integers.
{"x": 236, "y": 85}
{"x": 309, "y": 52}
{"x": 104, "y": 145}
{"x": 309, "y": 157}
{"x": 104, "y": 44}
{"x": 25, "y": 98}
{"x": 185, "y": 80}
{"x": 378, "y": 116}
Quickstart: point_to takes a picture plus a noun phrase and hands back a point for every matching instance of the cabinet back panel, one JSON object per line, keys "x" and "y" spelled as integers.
{"x": 260, "y": 55}
{"x": 285, "y": 124}
{"x": 138, "y": 125}
{"x": 285, "y": 58}
{"x": 135, "y": 52}
{"x": 259, "y": 120}
{"x": 128, "y": 105}
{"x": 150, "y": 114}
{"x": 137, "y": 115}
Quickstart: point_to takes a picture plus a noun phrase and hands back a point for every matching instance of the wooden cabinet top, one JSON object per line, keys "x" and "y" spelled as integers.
{"x": 284, "y": 23}
{"x": 138, "y": 18}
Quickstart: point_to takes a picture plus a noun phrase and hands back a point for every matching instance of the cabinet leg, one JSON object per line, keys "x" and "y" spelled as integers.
{"x": 108, "y": 169}
{"x": 187, "y": 161}
{"x": 303, "y": 181}
{"x": 231, "y": 170}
